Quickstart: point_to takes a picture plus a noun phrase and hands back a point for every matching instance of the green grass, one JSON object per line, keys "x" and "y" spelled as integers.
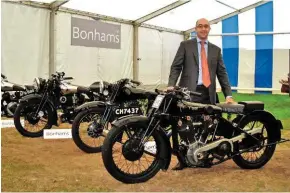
{"x": 278, "y": 105}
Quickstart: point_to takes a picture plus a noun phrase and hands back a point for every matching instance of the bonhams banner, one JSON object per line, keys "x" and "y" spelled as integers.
{"x": 91, "y": 33}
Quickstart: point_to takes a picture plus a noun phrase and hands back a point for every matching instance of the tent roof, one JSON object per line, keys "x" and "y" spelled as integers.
{"x": 181, "y": 18}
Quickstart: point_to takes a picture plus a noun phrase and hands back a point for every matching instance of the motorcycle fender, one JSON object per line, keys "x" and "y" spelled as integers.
{"x": 37, "y": 97}
{"x": 165, "y": 155}
{"x": 29, "y": 97}
{"x": 275, "y": 125}
{"x": 90, "y": 105}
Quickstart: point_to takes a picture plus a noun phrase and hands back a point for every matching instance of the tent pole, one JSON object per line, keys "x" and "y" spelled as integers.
{"x": 52, "y": 42}
{"x": 135, "y": 52}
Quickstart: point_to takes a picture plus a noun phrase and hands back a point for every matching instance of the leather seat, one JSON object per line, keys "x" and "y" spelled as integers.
{"x": 252, "y": 105}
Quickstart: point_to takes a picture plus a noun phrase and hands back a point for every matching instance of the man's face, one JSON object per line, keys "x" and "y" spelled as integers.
{"x": 202, "y": 28}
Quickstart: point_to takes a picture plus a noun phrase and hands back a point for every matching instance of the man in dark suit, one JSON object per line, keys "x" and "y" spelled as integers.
{"x": 199, "y": 63}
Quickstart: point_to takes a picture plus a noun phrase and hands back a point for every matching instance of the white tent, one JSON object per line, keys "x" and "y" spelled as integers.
{"x": 39, "y": 38}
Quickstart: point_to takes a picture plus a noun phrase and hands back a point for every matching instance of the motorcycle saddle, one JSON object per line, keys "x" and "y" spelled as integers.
{"x": 250, "y": 106}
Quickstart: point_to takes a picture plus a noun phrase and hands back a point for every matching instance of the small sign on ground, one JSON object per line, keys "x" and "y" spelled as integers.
{"x": 8, "y": 123}
{"x": 57, "y": 134}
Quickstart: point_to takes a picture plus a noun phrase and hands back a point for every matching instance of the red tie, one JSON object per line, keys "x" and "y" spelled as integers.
{"x": 205, "y": 71}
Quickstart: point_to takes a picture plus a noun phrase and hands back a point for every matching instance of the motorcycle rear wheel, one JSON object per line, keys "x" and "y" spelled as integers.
{"x": 265, "y": 157}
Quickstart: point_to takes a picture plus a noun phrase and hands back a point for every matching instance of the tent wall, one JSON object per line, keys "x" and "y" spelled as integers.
{"x": 86, "y": 64}
{"x": 156, "y": 51}
{"x": 89, "y": 64}
{"x": 255, "y": 61}
{"x": 25, "y": 43}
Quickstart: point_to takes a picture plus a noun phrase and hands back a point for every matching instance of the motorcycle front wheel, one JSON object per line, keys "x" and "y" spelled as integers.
{"x": 125, "y": 160}
{"x": 87, "y": 132}
{"x": 31, "y": 121}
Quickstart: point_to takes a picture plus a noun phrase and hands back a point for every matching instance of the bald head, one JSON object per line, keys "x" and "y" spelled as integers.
{"x": 202, "y": 28}
{"x": 201, "y": 20}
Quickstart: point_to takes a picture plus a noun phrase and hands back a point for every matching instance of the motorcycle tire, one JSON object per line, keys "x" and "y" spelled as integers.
{"x": 22, "y": 130}
{"x": 266, "y": 155}
{"x": 76, "y": 130}
{"x": 112, "y": 168}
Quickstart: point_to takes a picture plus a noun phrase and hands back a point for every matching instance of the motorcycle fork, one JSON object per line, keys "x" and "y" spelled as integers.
{"x": 41, "y": 105}
{"x": 106, "y": 116}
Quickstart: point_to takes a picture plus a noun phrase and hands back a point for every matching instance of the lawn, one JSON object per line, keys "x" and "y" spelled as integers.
{"x": 278, "y": 105}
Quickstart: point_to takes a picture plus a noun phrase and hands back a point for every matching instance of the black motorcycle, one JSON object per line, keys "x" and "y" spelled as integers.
{"x": 94, "y": 118}
{"x": 137, "y": 147}
{"x": 52, "y": 95}
{"x": 11, "y": 93}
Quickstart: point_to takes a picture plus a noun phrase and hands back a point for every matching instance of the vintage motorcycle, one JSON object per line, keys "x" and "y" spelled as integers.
{"x": 95, "y": 117}
{"x": 201, "y": 137}
{"x": 54, "y": 94}
{"x": 11, "y": 93}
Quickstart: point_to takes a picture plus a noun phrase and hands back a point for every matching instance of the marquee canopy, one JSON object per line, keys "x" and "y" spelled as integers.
{"x": 177, "y": 16}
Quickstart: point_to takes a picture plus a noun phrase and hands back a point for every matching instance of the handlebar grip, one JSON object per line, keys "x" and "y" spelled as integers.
{"x": 158, "y": 91}
{"x": 195, "y": 93}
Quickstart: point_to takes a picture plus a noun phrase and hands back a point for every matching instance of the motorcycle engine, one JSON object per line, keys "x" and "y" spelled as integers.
{"x": 71, "y": 100}
{"x": 194, "y": 135}
{"x": 188, "y": 128}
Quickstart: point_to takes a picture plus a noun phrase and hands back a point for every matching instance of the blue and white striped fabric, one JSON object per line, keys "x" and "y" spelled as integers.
{"x": 256, "y": 61}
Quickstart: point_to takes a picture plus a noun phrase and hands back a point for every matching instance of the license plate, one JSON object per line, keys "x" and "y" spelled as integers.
{"x": 127, "y": 110}
{"x": 158, "y": 101}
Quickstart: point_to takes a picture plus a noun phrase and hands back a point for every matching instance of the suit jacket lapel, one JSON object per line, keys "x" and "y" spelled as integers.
{"x": 195, "y": 51}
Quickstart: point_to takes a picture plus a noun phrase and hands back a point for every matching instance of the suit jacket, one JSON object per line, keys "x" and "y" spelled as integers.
{"x": 186, "y": 62}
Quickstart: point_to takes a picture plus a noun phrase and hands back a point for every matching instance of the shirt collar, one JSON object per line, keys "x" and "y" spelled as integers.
{"x": 198, "y": 40}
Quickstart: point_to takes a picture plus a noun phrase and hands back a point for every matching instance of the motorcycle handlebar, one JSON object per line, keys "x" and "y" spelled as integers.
{"x": 178, "y": 89}
{"x": 68, "y": 78}
{"x": 3, "y": 76}
{"x": 195, "y": 93}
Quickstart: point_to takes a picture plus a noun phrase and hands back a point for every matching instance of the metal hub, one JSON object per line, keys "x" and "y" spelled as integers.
{"x": 95, "y": 130}
{"x": 131, "y": 150}
{"x": 32, "y": 119}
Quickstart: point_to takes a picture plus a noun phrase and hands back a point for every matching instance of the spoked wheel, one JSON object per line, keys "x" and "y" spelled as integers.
{"x": 33, "y": 124}
{"x": 258, "y": 156}
{"x": 87, "y": 131}
{"x": 126, "y": 160}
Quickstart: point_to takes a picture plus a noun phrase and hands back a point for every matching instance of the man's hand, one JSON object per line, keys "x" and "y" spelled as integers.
{"x": 230, "y": 100}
